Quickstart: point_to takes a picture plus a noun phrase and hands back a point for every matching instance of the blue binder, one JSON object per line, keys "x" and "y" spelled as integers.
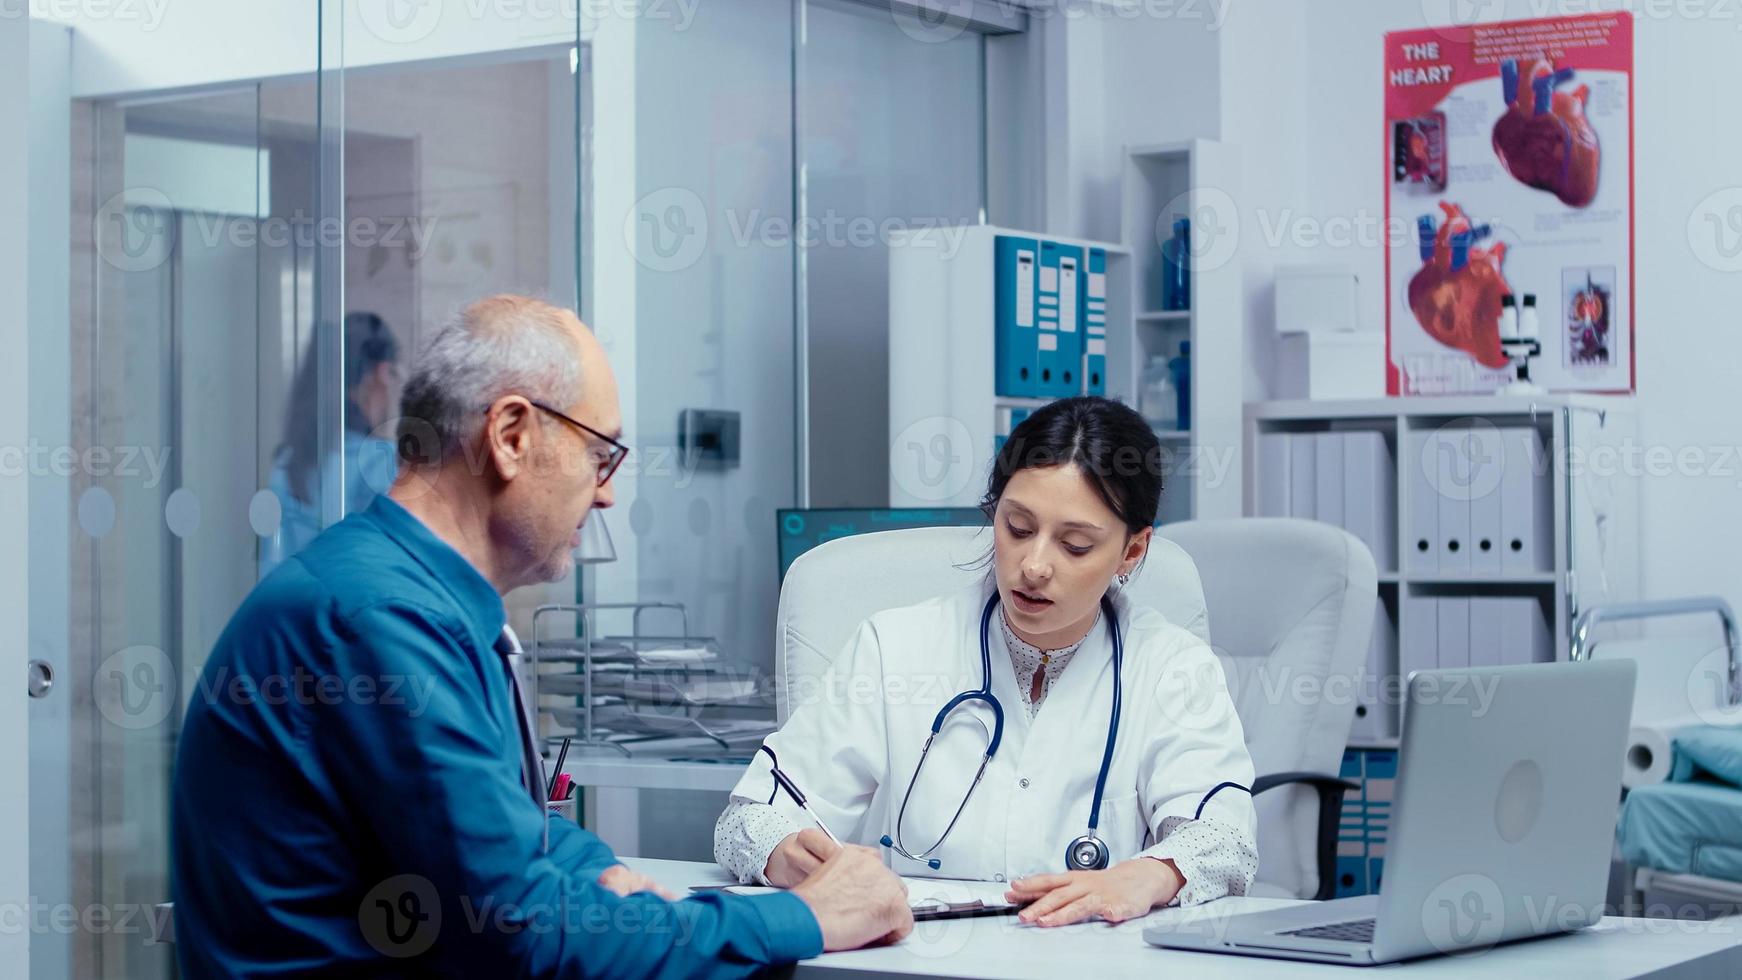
{"x": 1095, "y": 323}
{"x": 1060, "y": 320}
{"x": 1014, "y": 332}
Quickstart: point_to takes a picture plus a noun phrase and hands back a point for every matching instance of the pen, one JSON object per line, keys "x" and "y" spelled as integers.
{"x": 792, "y": 790}
{"x": 561, "y": 756}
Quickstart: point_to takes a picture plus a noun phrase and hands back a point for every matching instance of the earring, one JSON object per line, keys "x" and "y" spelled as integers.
{"x": 1124, "y": 577}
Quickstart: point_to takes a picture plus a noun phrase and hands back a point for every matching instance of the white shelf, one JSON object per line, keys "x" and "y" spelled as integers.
{"x": 1534, "y": 578}
{"x": 1199, "y": 179}
{"x": 1173, "y": 435}
{"x": 1475, "y": 405}
{"x": 1589, "y": 566}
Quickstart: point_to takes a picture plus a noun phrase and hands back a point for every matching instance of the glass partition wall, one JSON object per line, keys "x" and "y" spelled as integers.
{"x": 256, "y": 260}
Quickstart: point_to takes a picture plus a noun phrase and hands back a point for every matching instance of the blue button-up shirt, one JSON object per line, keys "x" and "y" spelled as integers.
{"x": 348, "y": 795}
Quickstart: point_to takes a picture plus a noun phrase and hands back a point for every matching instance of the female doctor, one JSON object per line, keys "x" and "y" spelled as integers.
{"x": 1036, "y": 729}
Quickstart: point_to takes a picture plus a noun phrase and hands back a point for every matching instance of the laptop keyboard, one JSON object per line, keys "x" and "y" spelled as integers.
{"x": 1358, "y": 931}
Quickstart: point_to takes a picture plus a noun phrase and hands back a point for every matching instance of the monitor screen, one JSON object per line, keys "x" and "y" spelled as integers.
{"x": 798, "y": 531}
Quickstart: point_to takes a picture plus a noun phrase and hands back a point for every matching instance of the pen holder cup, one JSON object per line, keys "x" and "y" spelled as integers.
{"x": 567, "y": 809}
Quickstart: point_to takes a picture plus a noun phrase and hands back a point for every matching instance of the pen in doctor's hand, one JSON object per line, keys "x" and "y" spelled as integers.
{"x": 798, "y": 797}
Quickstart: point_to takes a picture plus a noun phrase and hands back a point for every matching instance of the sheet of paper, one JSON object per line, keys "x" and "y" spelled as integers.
{"x": 922, "y": 891}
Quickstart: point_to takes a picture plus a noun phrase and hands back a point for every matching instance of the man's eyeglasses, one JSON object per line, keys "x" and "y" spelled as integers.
{"x": 615, "y": 455}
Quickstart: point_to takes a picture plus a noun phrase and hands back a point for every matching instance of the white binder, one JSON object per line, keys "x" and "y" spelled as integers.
{"x": 1452, "y": 453}
{"x": 1418, "y": 646}
{"x": 1421, "y": 506}
{"x": 1527, "y": 636}
{"x": 1525, "y": 518}
{"x": 1487, "y": 476}
{"x": 1273, "y": 470}
{"x": 1302, "y": 475}
{"x": 1370, "y": 495}
{"x": 1328, "y": 477}
{"x": 1488, "y": 631}
{"x": 1454, "y": 633}
{"x": 1379, "y": 693}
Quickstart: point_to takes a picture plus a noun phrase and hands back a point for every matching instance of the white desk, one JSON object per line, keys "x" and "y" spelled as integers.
{"x": 1000, "y": 948}
{"x": 613, "y": 807}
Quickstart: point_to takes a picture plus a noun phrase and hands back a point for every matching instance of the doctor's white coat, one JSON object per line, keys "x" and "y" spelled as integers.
{"x": 855, "y": 734}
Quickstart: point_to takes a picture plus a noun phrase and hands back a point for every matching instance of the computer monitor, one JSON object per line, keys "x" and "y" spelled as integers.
{"x": 798, "y": 531}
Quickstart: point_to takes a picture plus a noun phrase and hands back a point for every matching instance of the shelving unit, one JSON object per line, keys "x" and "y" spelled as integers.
{"x": 1199, "y": 180}
{"x": 944, "y": 405}
{"x": 1594, "y": 546}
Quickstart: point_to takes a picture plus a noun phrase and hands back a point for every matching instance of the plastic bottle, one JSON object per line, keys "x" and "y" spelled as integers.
{"x": 1182, "y": 383}
{"x": 1160, "y": 404}
{"x": 1176, "y": 283}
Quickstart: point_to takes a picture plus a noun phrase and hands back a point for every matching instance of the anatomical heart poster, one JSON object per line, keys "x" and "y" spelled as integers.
{"x": 1509, "y": 172}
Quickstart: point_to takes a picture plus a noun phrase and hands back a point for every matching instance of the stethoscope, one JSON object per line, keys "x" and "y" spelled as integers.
{"x": 1087, "y": 852}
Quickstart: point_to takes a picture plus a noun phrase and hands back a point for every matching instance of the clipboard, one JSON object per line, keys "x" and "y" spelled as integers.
{"x": 928, "y": 910}
{"x": 935, "y": 911}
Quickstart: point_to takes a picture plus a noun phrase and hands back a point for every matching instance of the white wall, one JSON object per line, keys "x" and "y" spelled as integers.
{"x": 14, "y": 518}
{"x": 1298, "y": 87}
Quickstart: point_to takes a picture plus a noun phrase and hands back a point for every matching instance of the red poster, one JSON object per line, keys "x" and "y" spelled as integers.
{"x": 1509, "y": 190}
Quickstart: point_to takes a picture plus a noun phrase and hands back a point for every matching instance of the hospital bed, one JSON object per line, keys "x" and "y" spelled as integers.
{"x": 1680, "y": 842}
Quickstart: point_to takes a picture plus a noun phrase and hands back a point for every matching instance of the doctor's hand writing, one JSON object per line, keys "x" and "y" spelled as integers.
{"x": 797, "y": 856}
{"x": 1125, "y": 891}
{"x": 857, "y": 901}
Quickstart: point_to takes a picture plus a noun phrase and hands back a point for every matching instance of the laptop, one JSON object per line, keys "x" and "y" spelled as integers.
{"x": 1502, "y": 827}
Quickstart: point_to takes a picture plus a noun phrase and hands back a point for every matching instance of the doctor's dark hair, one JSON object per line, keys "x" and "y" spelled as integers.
{"x": 1110, "y": 444}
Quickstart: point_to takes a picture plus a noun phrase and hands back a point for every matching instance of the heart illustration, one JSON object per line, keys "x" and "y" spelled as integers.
{"x": 1456, "y": 295}
{"x": 1544, "y": 138}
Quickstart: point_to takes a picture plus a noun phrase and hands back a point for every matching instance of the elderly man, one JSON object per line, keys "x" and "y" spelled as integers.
{"x": 327, "y": 826}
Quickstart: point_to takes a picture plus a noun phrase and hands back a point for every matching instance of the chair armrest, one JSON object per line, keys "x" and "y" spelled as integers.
{"x": 1331, "y": 790}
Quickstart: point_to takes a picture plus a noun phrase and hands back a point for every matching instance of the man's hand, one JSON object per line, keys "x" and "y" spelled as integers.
{"x": 857, "y": 901}
{"x": 1125, "y": 891}
{"x": 624, "y": 882}
{"x": 798, "y": 856}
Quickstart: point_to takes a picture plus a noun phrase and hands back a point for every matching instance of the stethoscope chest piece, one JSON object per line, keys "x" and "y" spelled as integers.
{"x": 1087, "y": 853}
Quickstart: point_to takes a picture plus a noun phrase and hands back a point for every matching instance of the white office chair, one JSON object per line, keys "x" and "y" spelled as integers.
{"x": 1289, "y": 599}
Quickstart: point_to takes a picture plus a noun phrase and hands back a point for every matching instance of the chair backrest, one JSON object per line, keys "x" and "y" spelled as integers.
{"x": 1286, "y": 605}
{"x": 834, "y": 587}
{"x": 1290, "y": 608}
